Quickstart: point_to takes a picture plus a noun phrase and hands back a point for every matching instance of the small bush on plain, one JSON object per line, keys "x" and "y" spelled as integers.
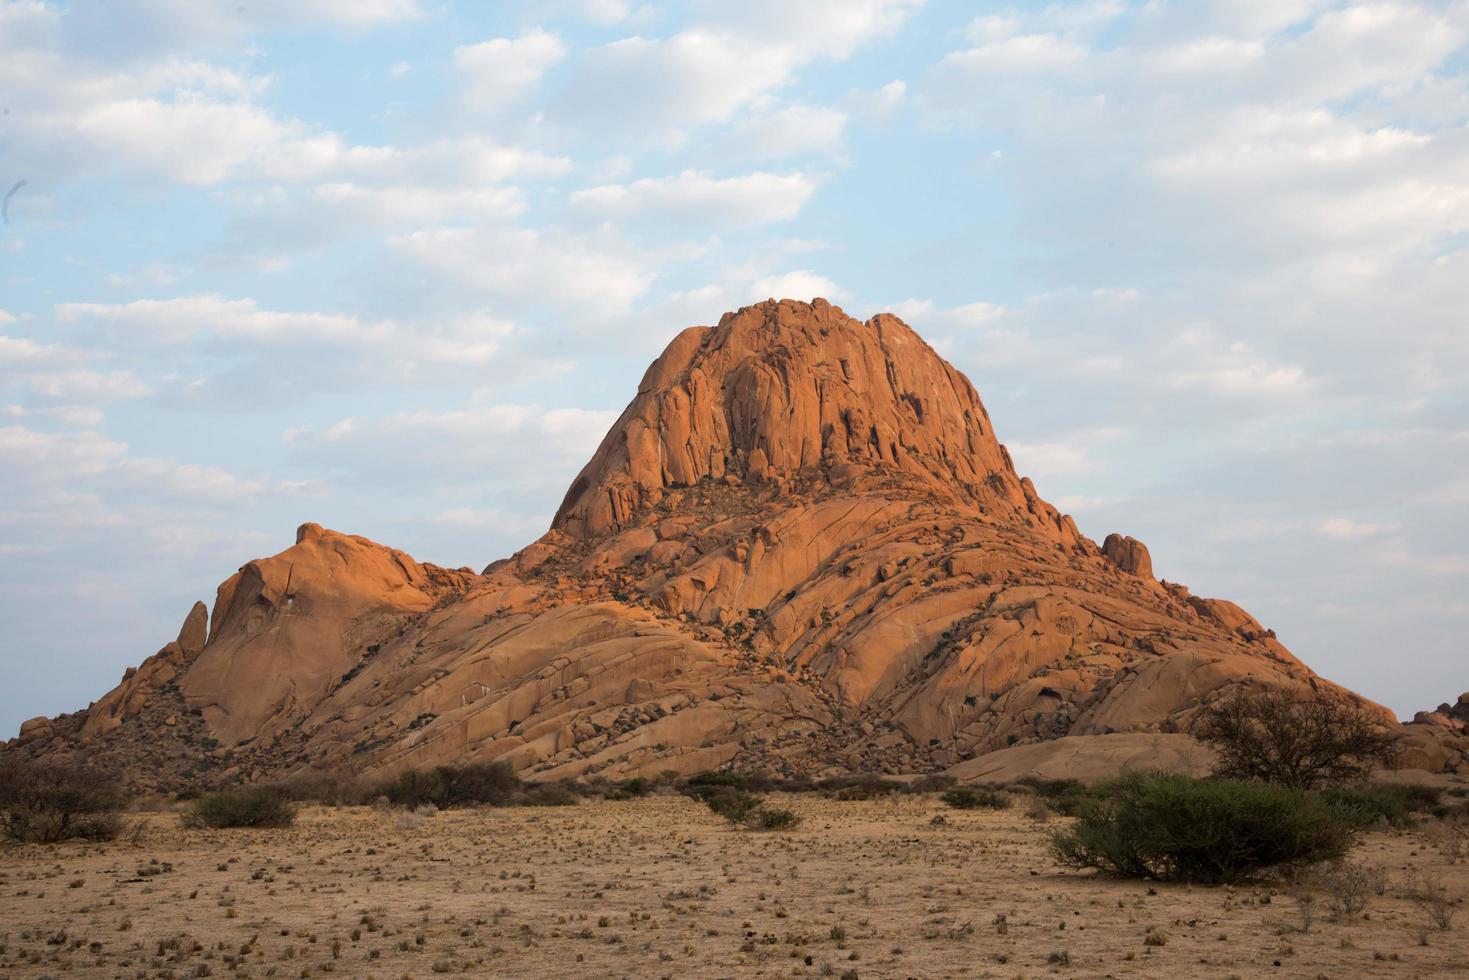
{"x": 549, "y": 794}
{"x": 976, "y": 798}
{"x": 250, "y": 806}
{"x": 1174, "y": 827}
{"x": 1063, "y": 796}
{"x": 773, "y": 818}
{"x": 475, "y": 784}
{"x": 44, "y": 803}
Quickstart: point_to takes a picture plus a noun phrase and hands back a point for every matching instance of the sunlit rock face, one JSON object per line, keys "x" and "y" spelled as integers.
{"x": 801, "y": 548}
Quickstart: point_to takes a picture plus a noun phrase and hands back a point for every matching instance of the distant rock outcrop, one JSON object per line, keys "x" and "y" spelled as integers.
{"x": 1452, "y": 717}
{"x": 801, "y": 548}
{"x": 1128, "y": 554}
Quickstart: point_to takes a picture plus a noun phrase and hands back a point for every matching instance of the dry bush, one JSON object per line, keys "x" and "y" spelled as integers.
{"x": 1349, "y": 886}
{"x": 47, "y": 802}
{"x": 1431, "y": 896}
{"x": 773, "y": 818}
{"x": 1270, "y": 737}
{"x": 251, "y": 806}
{"x": 1451, "y": 836}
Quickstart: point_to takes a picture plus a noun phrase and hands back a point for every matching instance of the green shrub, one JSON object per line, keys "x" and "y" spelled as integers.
{"x": 976, "y": 798}
{"x": 475, "y": 784}
{"x": 773, "y": 818}
{"x": 859, "y": 787}
{"x": 549, "y": 794}
{"x": 252, "y": 806}
{"x": 629, "y": 789}
{"x": 1175, "y": 827}
{"x": 733, "y": 805}
{"x": 1395, "y": 805}
{"x": 1063, "y": 796}
{"x": 931, "y": 784}
{"x": 706, "y": 786}
{"x": 43, "y": 803}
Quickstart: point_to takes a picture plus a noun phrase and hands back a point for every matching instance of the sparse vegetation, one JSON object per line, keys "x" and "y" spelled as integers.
{"x": 1271, "y": 737}
{"x": 724, "y": 793}
{"x": 548, "y": 794}
{"x": 1384, "y": 803}
{"x": 46, "y": 803}
{"x": 1063, "y": 796}
{"x": 773, "y": 818}
{"x": 1431, "y": 897}
{"x": 249, "y": 806}
{"x": 976, "y": 798}
{"x": 1175, "y": 827}
{"x": 474, "y": 784}
{"x": 1349, "y": 886}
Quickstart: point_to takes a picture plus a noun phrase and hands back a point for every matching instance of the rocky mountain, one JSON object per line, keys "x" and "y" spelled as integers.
{"x": 801, "y": 548}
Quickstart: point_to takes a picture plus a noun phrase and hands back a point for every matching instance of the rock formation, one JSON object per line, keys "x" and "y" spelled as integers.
{"x": 800, "y": 548}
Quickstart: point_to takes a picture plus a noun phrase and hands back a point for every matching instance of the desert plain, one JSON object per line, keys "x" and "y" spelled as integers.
{"x": 900, "y": 886}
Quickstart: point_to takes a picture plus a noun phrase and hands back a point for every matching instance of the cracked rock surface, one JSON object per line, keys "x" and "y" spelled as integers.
{"x": 801, "y": 548}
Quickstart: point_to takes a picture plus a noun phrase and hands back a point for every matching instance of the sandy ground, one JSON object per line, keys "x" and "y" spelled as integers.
{"x": 660, "y": 887}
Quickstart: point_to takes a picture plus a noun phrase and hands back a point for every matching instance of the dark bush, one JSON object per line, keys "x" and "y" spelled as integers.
{"x": 1063, "y": 796}
{"x": 414, "y": 788}
{"x": 931, "y": 784}
{"x": 1397, "y": 806}
{"x": 549, "y": 794}
{"x": 323, "y": 788}
{"x": 976, "y": 798}
{"x": 1270, "y": 736}
{"x": 705, "y": 786}
{"x": 734, "y": 805}
{"x": 251, "y": 806}
{"x": 773, "y": 818}
{"x": 1175, "y": 827}
{"x": 475, "y": 784}
{"x": 629, "y": 789}
{"x": 46, "y": 802}
{"x": 859, "y": 787}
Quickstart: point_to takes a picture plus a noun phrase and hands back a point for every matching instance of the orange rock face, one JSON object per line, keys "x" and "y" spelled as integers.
{"x": 801, "y": 548}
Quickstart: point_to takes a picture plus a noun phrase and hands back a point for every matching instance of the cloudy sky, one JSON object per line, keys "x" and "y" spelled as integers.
{"x": 395, "y": 265}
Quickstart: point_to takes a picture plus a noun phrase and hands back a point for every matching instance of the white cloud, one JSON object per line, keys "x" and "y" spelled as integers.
{"x": 1344, "y": 528}
{"x": 663, "y": 85}
{"x": 240, "y": 324}
{"x": 1057, "y": 462}
{"x": 801, "y": 284}
{"x": 501, "y": 72}
{"x": 55, "y": 373}
{"x": 1198, "y": 360}
{"x": 42, "y": 462}
{"x": 727, "y": 58}
{"x": 925, "y": 315}
{"x": 469, "y": 443}
{"x": 829, "y": 28}
{"x": 531, "y": 269}
{"x": 149, "y": 24}
{"x": 695, "y": 198}
{"x": 792, "y": 131}
{"x": 881, "y": 103}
